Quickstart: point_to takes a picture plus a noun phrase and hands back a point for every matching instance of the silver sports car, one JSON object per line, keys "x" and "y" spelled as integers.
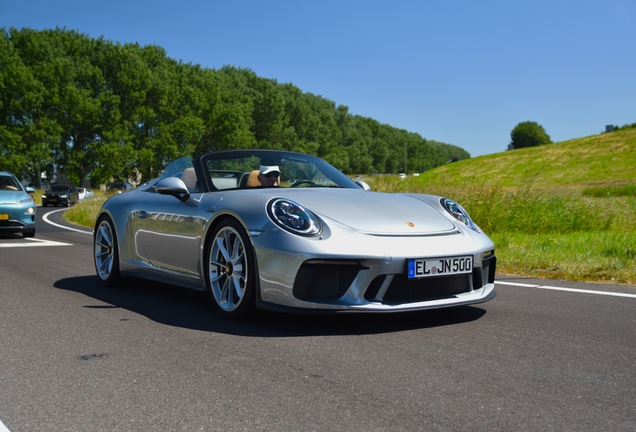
{"x": 283, "y": 230}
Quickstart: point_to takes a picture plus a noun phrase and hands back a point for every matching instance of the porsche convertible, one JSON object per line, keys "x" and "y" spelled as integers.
{"x": 287, "y": 231}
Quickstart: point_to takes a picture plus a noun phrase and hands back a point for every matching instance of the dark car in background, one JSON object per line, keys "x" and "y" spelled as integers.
{"x": 17, "y": 208}
{"x": 62, "y": 195}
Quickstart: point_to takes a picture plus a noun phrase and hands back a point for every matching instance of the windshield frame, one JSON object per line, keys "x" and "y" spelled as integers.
{"x": 270, "y": 157}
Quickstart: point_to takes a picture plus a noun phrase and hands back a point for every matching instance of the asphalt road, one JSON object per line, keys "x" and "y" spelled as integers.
{"x": 75, "y": 356}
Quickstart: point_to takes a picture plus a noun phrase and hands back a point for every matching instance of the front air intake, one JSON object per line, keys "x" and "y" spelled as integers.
{"x": 325, "y": 280}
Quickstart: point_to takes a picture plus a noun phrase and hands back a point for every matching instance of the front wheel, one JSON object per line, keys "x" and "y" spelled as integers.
{"x": 106, "y": 252}
{"x": 231, "y": 271}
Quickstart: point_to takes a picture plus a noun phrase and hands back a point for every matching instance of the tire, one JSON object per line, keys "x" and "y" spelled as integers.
{"x": 106, "y": 252}
{"x": 231, "y": 271}
{"x": 28, "y": 234}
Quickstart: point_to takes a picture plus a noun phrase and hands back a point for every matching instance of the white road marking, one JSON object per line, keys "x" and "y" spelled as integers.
{"x": 607, "y": 293}
{"x": 31, "y": 242}
{"x": 3, "y": 428}
{"x": 45, "y": 218}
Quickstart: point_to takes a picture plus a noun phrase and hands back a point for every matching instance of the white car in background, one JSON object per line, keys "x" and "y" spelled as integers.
{"x": 85, "y": 193}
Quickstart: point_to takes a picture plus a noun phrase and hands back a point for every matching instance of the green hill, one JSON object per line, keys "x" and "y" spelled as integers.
{"x": 600, "y": 160}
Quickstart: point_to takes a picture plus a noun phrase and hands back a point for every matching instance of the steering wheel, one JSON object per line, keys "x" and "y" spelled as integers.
{"x": 300, "y": 182}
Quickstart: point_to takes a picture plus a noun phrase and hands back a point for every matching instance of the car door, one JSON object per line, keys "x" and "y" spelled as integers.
{"x": 168, "y": 232}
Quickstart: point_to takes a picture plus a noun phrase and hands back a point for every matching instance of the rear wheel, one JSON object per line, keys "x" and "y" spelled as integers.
{"x": 106, "y": 252}
{"x": 230, "y": 271}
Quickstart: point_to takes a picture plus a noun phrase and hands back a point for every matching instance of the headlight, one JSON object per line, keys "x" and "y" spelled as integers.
{"x": 63, "y": 196}
{"x": 26, "y": 200}
{"x": 293, "y": 217}
{"x": 30, "y": 210}
{"x": 459, "y": 213}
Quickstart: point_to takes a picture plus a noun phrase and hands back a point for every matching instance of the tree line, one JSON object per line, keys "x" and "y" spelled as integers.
{"x": 104, "y": 111}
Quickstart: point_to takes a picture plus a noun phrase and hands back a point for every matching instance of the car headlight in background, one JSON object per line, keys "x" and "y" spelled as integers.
{"x": 293, "y": 217}
{"x": 458, "y": 212}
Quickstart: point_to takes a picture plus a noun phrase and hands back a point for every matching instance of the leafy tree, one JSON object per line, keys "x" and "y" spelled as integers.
{"x": 101, "y": 110}
{"x": 26, "y": 133}
{"x": 528, "y": 134}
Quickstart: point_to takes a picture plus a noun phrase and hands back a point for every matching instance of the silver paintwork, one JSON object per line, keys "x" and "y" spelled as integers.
{"x": 165, "y": 238}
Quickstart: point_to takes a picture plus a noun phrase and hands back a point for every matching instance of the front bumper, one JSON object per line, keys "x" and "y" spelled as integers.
{"x": 55, "y": 201}
{"x": 18, "y": 226}
{"x": 355, "y": 280}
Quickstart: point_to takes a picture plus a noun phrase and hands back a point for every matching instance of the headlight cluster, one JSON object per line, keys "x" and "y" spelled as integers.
{"x": 293, "y": 217}
{"x": 459, "y": 213}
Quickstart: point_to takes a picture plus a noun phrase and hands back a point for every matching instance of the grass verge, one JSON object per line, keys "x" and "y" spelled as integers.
{"x": 605, "y": 257}
{"x": 85, "y": 212}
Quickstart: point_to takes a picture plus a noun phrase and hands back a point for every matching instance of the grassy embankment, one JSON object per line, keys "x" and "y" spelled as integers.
{"x": 561, "y": 211}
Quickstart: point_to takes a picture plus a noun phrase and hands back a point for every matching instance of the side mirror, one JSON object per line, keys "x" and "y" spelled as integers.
{"x": 363, "y": 185}
{"x": 29, "y": 190}
{"x": 173, "y": 186}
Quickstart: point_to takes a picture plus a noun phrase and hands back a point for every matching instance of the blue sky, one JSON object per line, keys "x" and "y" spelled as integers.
{"x": 463, "y": 72}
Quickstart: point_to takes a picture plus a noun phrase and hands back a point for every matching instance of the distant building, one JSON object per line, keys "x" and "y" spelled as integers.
{"x": 609, "y": 128}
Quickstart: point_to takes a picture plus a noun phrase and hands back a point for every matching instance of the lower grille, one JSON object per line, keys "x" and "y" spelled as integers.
{"x": 324, "y": 280}
{"x": 11, "y": 224}
{"x": 403, "y": 290}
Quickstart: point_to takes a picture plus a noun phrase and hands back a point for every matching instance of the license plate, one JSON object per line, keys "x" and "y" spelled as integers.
{"x": 419, "y": 268}
{"x": 53, "y": 200}
{"x": 4, "y": 216}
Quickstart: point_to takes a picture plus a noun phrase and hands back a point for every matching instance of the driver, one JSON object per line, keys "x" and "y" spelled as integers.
{"x": 269, "y": 175}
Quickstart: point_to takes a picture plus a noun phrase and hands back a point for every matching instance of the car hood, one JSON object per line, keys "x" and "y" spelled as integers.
{"x": 378, "y": 213}
{"x": 13, "y": 196}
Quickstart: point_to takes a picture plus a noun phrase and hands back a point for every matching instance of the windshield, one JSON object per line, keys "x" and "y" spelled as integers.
{"x": 9, "y": 183}
{"x": 59, "y": 188}
{"x": 269, "y": 168}
{"x": 177, "y": 167}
